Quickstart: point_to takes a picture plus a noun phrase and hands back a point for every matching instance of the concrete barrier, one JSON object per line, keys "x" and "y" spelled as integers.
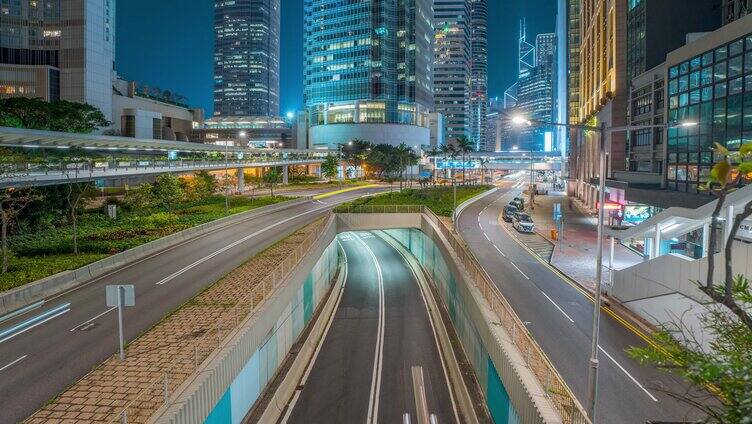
{"x": 55, "y": 284}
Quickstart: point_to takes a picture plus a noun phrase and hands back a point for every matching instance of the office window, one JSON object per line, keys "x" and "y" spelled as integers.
{"x": 720, "y": 71}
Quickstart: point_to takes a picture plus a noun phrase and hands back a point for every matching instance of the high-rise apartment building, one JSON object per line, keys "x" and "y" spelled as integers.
{"x": 452, "y": 65}
{"x": 603, "y": 92}
{"x": 52, "y": 49}
{"x": 479, "y": 74}
{"x": 574, "y": 40}
{"x": 368, "y": 70}
{"x": 246, "y": 57}
{"x": 732, "y": 10}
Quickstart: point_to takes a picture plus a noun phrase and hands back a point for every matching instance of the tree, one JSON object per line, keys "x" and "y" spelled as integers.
{"x": 79, "y": 195}
{"x": 464, "y": 146}
{"x": 450, "y": 150}
{"x": 59, "y": 115}
{"x": 12, "y": 202}
{"x": 330, "y": 166}
{"x": 356, "y": 152}
{"x": 167, "y": 191}
{"x": 271, "y": 178}
{"x": 203, "y": 185}
{"x": 434, "y": 152}
{"x": 140, "y": 198}
{"x": 719, "y": 369}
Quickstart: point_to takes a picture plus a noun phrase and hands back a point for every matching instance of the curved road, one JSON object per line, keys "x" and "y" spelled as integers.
{"x": 559, "y": 315}
{"x": 378, "y": 361}
{"x": 73, "y": 332}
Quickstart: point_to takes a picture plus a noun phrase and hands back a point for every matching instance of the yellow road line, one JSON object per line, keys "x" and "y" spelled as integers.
{"x": 344, "y": 190}
{"x": 639, "y": 333}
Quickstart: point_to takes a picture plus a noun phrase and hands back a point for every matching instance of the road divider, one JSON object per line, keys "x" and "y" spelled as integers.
{"x": 30, "y": 323}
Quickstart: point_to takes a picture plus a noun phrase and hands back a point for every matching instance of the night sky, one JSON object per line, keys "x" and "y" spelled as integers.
{"x": 169, "y": 44}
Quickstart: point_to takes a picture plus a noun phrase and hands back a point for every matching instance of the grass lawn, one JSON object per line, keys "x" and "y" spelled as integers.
{"x": 48, "y": 252}
{"x": 438, "y": 199}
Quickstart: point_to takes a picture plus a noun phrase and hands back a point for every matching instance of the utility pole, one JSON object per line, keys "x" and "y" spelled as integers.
{"x": 593, "y": 371}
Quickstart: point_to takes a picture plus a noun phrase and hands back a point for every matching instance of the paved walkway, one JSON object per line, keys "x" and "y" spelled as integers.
{"x": 575, "y": 253}
{"x": 162, "y": 358}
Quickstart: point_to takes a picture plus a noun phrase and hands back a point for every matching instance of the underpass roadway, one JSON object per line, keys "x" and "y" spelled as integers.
{"x": 379, "y": 360}
{"x": 54, "y": 343}
{"x": 559, "y": 314}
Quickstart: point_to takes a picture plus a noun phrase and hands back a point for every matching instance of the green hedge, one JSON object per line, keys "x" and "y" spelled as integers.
{"x": 43, "y": 253}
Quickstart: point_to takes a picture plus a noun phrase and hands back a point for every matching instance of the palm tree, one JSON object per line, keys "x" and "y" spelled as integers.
{"x": 434, "y": 152}
{"x": 483, "y": 162}
{"x": 464, "y": 146}
{"x": 450, "y": 150}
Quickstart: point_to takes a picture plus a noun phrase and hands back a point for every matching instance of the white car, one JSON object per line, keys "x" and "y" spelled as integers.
{"x": 523, "y": 223}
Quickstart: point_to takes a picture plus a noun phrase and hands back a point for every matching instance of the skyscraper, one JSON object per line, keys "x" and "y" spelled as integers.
{"x": 246, "y": 57}
{"x": 452, "y": 65}
{"x": 368, "y": 71}
{"x": 57, "y": 50}
{"x": 479, "y": 74}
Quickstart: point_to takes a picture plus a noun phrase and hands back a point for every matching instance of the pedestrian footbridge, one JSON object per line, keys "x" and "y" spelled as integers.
{"x": 57, "y": 158}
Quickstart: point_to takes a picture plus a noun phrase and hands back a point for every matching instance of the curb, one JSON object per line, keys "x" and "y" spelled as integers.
{"x": 61, "y": 282}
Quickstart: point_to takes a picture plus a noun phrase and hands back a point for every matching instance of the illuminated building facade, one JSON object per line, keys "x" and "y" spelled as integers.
{"x": 602, "y": 94}
{"x": 479, "y": 74}
{"x": 58, "y": 50}
{"x": 734, "y": 9}
{"x": 367, "y": 71}
{"x": 246, "y": 57}
{"x": 452, "y": 70}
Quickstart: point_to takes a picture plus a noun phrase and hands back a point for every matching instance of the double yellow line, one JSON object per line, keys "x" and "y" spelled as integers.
{"x": 629, "y": 326}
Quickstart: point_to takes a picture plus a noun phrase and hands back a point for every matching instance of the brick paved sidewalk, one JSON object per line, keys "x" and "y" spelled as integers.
{"x": 173, "y": 347}
{"x": 575, "y": 252}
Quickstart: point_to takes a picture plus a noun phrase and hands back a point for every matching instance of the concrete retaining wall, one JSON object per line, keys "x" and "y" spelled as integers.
{"x": 55, "y": 284}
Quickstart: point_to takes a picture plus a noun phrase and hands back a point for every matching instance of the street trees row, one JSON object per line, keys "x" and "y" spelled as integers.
{"x": 382, "y": 161}
{"x": 60, "y": 115}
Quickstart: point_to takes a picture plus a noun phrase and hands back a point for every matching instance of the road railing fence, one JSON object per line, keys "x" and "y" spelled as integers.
{"x": 556, "y": 389}
{"x": 188, "y": 359}
{"x": 554, "y": 386}
{"x": 379, "y": 209}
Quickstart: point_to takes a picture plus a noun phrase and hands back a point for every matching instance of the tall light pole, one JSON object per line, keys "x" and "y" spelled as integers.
{"x": 602, "y": 130}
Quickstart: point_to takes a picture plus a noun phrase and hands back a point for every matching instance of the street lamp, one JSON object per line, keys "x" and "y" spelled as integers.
{"x": 601, "y": 130}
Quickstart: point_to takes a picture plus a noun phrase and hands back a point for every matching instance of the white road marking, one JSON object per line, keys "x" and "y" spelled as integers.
{"x": 373, "y": 403}
{"x": 13, "y": 363}
{"x": 486, "y": 236}
{"x": 499, "y": 250}
{"x": 406, "y": 418}
{"x": 92, "y": 319}
{"x": 557, "y": 307}
{"x": 628, "y": 374}
{"x": 518, "y": 269}
{"x": 231, "y": 245}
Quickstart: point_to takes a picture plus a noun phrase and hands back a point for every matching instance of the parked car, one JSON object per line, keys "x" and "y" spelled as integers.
{"x": 508, "y": 213}
{"x": 519, "y": 203}
{"x": 523, "y": 223}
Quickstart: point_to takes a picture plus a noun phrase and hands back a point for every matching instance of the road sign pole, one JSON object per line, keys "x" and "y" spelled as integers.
{"x": 121, "y": 295}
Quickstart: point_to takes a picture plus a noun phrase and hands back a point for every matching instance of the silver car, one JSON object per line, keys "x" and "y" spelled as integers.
{"x": 523, "y": 223}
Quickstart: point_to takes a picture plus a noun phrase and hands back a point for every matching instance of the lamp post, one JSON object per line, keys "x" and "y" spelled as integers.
{"x": 602, "y": 130}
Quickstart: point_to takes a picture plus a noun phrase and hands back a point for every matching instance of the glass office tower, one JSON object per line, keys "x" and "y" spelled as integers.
{"x": 367, "y": 63}
{"x": 246, "y": 57}
{"x": 479, "y": 74}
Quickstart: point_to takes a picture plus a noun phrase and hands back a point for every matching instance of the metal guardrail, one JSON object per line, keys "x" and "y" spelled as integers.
{"x": 379, "y": 209}
{"x": 556, "y": 389}
{"x": 142, "y": 405}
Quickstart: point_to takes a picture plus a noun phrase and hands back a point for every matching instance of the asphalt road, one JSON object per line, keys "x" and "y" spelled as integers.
{"x": 379, "y": 353}
{"x": 75, "y": 331}
{"x": 560, "y": 318}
